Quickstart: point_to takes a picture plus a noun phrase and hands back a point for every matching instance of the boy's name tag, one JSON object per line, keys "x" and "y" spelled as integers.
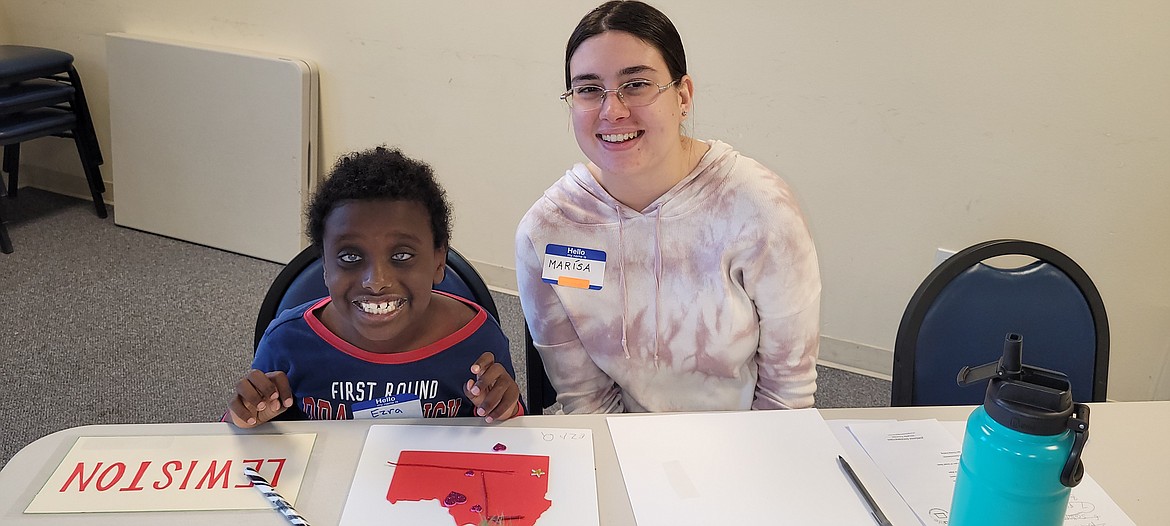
{"x": 582, "y": 268}
{"x": 404, "y": 405}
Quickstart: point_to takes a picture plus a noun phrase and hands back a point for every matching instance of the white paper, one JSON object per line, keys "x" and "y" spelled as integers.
{"x": 171, "y": 473}
{"x": 758, "y": 467}
{"x": 571, "y": 477}
{"x": 919, "y": 458}
{"x": 888, "y": 499}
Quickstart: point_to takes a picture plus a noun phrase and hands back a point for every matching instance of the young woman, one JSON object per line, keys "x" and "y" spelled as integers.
{"x": 668, "y": 273}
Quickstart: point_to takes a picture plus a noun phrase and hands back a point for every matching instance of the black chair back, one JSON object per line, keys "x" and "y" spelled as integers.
{"x": 963, "y": 310}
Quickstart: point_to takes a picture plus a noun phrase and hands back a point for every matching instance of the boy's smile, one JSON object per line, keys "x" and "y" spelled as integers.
{"x": 380, "y": 265}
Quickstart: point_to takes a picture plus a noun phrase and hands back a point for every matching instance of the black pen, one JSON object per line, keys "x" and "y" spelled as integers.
{"x": 874, "y": 510}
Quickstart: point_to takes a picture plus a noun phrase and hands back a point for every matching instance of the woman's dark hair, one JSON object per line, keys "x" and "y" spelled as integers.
{"x": 380, "y": 174}
{"x": 635, "y": 18}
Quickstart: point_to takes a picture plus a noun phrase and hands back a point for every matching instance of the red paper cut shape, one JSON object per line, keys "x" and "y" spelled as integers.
{"x": 502, "y": 488}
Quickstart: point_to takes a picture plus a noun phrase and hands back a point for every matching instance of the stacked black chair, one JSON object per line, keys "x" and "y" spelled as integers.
{"x": 41, "y": 96}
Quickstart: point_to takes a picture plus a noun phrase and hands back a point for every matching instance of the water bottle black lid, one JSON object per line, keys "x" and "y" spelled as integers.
{"x": 1039, "y": 403}
{"x": 1021, "y": 397}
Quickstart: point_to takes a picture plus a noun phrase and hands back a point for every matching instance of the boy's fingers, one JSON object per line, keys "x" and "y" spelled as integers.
{"x": 473, "y": 391}
{"x": 247, "y": 394}
{"x": 503, "y": 404}
{"x": 265, "y": 389}
{"x": 283, "y": 391}
{"x": 485, "y": 360}
{"x": 240, "y": 414}
{"x": 501, "y": 393}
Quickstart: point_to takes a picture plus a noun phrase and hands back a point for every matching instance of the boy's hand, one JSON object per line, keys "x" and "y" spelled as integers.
{"x": 493, "y": 391}
{"x": 259, "y": 398}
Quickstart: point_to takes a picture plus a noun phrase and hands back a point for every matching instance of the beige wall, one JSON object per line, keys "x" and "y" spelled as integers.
{"x": 905, "y": 126}
{"x": 5, "y": 33}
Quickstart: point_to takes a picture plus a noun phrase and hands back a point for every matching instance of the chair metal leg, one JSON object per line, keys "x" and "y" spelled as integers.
{"x": 92, "y": 174}
{"x": 85, "y": 122}
{"x": 5, "y": 241}
{"x": 12, "y": 166}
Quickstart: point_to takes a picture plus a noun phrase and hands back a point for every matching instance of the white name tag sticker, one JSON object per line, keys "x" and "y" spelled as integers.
{"x": 582, "y": 268}
{"x": 404, "y": 405}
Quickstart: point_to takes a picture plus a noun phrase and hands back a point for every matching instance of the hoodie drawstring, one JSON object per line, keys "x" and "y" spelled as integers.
{"x": 657, "y": 280}
{"x": 622, "y": 276}
{"x": 657, "y": 277}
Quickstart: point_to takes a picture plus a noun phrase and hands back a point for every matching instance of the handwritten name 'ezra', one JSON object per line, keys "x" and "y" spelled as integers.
{"x": 211, "y": 475}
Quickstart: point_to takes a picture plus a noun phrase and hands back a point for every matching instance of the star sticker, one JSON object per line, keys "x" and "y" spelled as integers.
{"x": 538, "y": 473}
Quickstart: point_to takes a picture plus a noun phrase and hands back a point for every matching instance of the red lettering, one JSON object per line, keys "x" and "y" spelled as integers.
{"x": 190, "y": 470}
{"x": 78, "y": 472}
{"x": 255, "y": 463}
{"x": 450, "y": 408}
{"x": 137, "y": 477}
{"x": 173, "y": 465}
{"x": 341, "y": 412}
{"x": 279, "y": 466}
{"x": 324, "y": 410}
{"x": 212, "y": 478}
{"x": 121, "y": 471}
{"x": 309, "y": 406}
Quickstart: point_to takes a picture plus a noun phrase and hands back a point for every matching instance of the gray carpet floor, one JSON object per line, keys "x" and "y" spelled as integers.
{"x": 102, "y": 324}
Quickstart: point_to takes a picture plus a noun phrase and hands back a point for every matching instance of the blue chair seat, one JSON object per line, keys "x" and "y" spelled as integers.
{"x": 36, "y": 123}
{"x": 18, "y": 63}
{"x": 34, "y": 94}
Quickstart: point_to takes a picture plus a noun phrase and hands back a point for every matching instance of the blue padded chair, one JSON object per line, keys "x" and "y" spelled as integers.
{"x": 963, "y": 310}
{"x": 303, "y": 280}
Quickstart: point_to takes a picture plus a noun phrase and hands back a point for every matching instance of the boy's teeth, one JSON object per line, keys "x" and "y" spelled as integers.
{"x": 618, "y": 137}
{"x": 385, "y": 307}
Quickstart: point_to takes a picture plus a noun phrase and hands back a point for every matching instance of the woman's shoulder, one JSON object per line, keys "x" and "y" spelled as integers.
{"x": 745, "y": 179}
{"x": 574, "y": 199}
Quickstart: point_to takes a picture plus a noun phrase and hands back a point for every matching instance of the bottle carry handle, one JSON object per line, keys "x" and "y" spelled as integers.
{"x": 1074, "y": 469}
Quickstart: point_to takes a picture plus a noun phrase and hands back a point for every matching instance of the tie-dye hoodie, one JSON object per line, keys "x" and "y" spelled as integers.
{"x": 710, "y": 298}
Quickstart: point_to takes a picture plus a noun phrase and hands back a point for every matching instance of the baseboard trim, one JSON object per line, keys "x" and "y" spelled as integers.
{"x": 62, "y": 183}
{"x": 498, "y": 277}
{"x": 856, "y": 358}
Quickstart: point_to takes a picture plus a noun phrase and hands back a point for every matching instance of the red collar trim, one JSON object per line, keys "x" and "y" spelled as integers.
{"x": 413, "y": 355}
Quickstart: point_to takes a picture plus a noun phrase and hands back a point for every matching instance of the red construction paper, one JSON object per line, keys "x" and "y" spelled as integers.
{"x": 504, "y": 488}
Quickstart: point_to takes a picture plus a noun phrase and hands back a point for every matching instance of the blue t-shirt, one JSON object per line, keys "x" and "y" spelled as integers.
{"x": 328, "y": 374}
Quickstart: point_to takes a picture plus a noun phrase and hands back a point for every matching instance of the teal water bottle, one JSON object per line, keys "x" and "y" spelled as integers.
{"x": 1022, "y": 448}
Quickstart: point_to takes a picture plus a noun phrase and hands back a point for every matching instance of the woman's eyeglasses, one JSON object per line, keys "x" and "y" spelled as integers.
{"x": 635, "y": 93}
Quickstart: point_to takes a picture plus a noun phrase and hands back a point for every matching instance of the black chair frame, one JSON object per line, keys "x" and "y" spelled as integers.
{"x": 541, "y": 393}
{"x": 906, "y": 344}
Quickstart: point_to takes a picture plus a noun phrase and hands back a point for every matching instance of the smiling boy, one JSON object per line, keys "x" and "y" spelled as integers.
{"x": 383, "y": 225}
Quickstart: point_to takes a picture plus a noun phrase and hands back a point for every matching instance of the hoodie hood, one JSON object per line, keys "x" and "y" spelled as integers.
{"x": 595, "y": 206}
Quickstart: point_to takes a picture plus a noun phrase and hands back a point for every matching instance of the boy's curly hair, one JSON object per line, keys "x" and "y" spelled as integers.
{"x": 380, "y": 173}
